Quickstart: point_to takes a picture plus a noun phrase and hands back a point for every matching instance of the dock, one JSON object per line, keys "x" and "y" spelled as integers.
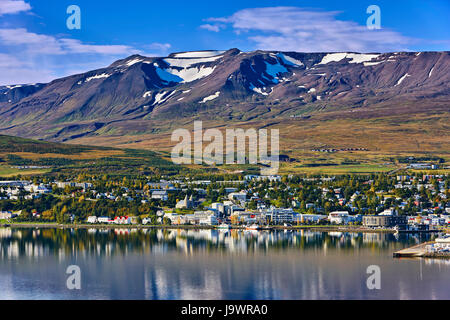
{"x": 415, "y": 251}
{"x": 419, "y": 251}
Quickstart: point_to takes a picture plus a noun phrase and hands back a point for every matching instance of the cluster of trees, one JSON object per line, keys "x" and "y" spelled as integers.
{"x": 65, "y": 210}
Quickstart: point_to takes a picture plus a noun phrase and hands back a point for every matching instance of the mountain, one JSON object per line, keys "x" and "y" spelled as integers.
{"x": 149, "y": 95}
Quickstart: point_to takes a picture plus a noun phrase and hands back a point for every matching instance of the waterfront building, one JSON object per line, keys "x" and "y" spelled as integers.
{"x": 104, "y": 220}
{"x": 384, "y": 221}
{"x": 308, "y": 218}
{"x": 280, "y": 216}
{"x": 92, "y": 219}
{"x": 339, "y": 217}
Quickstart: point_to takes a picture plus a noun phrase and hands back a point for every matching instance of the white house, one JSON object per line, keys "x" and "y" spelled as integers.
{"x": 160, "y": 195}
{"x": 241, "y": 196}
{"x": 338, "y": 217}
{"x": 146, "y": 221}
{"x": 92, "y": 219}
{"x": 209, "y": 220}
{"x": 7, "y": 215}
{"x": 388, "y": 212}
{"x": 122, "y": 220}
{"x": 104, "y": 220}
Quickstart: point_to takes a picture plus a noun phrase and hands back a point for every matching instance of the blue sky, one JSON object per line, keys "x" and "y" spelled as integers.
{"x": 37, "y": 46}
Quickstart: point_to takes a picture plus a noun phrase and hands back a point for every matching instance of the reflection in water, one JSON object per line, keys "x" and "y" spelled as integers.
{"x": 213, "y": 264}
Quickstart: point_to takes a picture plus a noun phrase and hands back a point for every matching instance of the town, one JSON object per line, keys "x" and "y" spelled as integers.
{"x": 407, "y": 202}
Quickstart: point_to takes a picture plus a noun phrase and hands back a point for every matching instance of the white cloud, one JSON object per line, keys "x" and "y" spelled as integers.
{"x": 13, "y": 6}
{"x": 14, "y": 75}
{"x": 76, "y": 46}
{"x": 28, "y": 57}
{"x": 40, "y": 43}
{"x": 8, "y": 60}
{"x": 297, "y": 29}
{"x": 157, "y": 49}
{"x": 159, "y": 46}
{"x": 211, "y": 27}
{"x": 16, "y": 71}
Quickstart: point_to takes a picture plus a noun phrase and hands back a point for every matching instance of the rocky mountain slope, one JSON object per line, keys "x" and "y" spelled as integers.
{"x": 134, "y": 95}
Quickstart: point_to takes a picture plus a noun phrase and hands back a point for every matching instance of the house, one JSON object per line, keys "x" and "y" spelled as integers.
{"x": 146, "y": 221}
{"x": 260, "y": 178}
{"x": 174, "y": 218}
{"x": 92, "y": 219}
{"x": 162, "y": 184}
{"x": 209, "y": 220}
{"x": 389, "y": 212}
{"x": 248, "y": 217}
{"x": 5, "y": 215}
{"x": 122, "y": 220}
{"x": 339, "y": 217}
{"x": 241, "y": 196}
{"x": 160, "y": 195}
{"x": 104, "y": 220}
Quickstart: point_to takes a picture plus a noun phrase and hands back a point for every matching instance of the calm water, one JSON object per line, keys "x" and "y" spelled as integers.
{"x": 180, "y": 264}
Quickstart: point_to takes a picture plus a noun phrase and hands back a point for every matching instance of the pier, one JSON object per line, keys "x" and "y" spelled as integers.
{"x": 421, "y": 251}
{"x": 415, "y": 251}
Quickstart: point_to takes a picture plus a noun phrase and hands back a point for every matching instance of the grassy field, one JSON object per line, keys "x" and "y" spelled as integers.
{"x": 383, "y": 139}
{"x": 339, "y": 169}
{"x": 7, "y": 171}
{"x": 75, "y": 159}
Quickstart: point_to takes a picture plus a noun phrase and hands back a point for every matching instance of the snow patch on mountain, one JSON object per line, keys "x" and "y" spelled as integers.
{"x": 368, "y": 64}
{"x": 186, "y": 63}
{"x": 431, "y": 72}
{"x": 14, "y": 87}
{"x": 211, "y": 97}
{"x": 198, "y": 54}
{"x": 354, "y": 57}
{"x": 162, "y": 97}
{"x": 257, "y": 90}
{"x": 97, "y": 76}
{"x": 401, "y": 79}
{"x": 182, "y": 70}
{"x": 134, "y": 61}
{"x": 192, "y": 74}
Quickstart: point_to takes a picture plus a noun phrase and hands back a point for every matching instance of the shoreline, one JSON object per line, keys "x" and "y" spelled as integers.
{"x": 419, "y": 251}
{"x": 193, "y": 227}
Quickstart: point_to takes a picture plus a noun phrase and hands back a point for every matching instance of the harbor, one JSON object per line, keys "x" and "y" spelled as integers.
{"x": 439, "y": 248}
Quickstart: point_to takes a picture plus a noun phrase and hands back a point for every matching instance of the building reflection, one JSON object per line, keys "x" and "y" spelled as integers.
{"x": 42, "y": 242}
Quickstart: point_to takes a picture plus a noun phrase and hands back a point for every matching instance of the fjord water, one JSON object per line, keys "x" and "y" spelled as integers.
{"x": 213, "y": 264}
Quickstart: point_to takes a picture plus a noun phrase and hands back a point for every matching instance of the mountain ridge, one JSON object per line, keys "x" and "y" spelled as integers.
{"x": 133, "y": 95}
